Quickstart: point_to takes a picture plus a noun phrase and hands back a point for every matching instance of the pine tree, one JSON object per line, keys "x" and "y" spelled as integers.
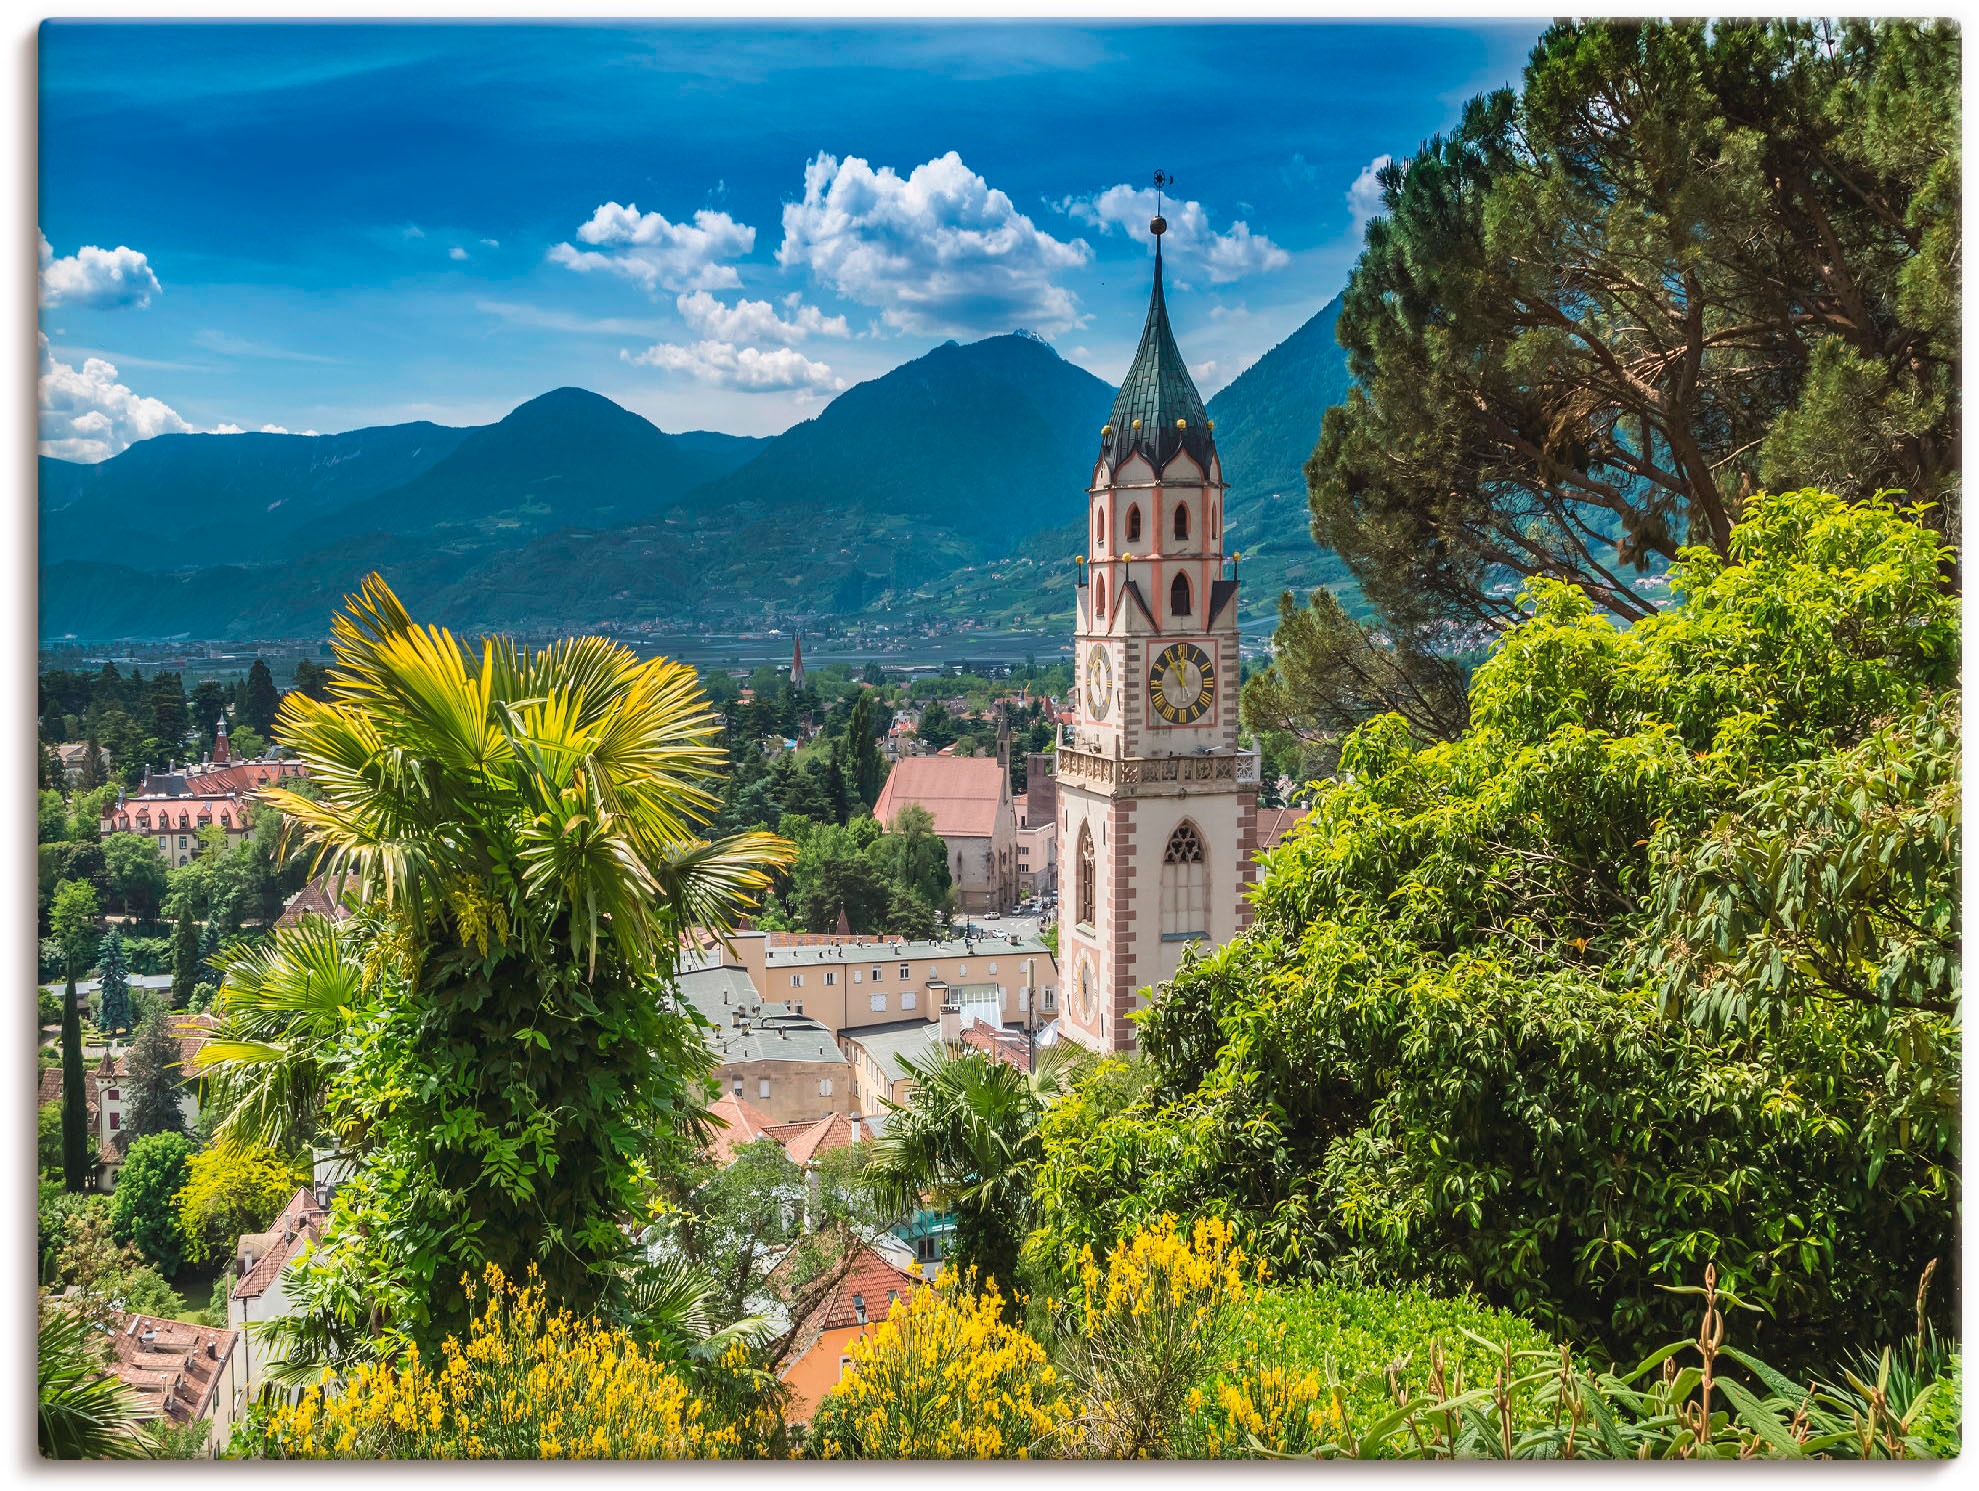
{"x": 262, "y": 699}
{"x": 185, "y": 958}
{"x": 209, "y": 949}
{"x": 152, "y": 1079}
{"x": 868, "y": 766}
{"x": 115, "y": 1015}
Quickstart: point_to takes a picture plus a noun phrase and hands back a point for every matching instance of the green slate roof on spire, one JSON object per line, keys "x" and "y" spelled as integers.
{"x": 1157, "y": 391}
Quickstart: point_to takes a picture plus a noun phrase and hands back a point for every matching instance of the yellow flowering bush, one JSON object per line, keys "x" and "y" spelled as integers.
{"x": 528, "y": 1384}
{"x": 944, "y": 1378}
{"x": 1149, "y": 1326}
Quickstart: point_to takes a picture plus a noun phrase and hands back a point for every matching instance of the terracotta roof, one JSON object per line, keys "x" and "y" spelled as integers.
{"x": 249, "y": 777}
{"x": 301, "y": 1222}
{"x": 804, "y": 1142}
{"x": 962, "y": 792}
{"x": 173, "y": 1368}
{"x": 51, "y": 1091}
{"x": 322, "y": 896}
{"x": 822, "y": 939}
{"x": 1274, "y": 823}
{"x": 179, "y": 813}
{"x": 860, "y": 1290}
{"x": 741, "y": 1123}
{"x": 1003, "y": 1046}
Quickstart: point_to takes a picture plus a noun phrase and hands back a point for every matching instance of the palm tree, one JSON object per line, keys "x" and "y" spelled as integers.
{"x": 287, "y": 1005}
{"x": 967, "y": 1140}
{"x": 86, "y": 1411}
{"x": 524, "y": 832}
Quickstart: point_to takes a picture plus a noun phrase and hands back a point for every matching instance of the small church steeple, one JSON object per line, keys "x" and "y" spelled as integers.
{"x": 797, "y": 660}
{"x": 222, "y": 750}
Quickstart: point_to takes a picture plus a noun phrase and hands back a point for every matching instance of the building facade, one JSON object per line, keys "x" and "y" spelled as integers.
{"x": 969, "y": 799}
{"x": 1157, "y": 804}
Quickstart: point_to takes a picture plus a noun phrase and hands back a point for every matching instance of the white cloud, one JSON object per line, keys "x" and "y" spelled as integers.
{"x": 756, "y": 320}
{"x": 87, "y": 415}
{"x": 1299, "y": 171}
{"x": 413, "y": 230}
{"x": 456, "y": 252}
{"x": 657, "y": 254}
{"x": 274, "y": 429}
{"x": 1364, "y": 196}
{"x": 97, "y": 277}
{"x": 491, "y": 243}
{"x": 229, "y": 345}
{"x": 746, "y": 369}
{"x": 226, "y": 429}
{"x": 1226, "y": 256}
{"x": 938, "y": 252}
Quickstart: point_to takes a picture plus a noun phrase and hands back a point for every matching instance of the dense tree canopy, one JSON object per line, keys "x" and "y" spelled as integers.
{"x": 1687, "y": 260}
{"x": 1655, "y": 965}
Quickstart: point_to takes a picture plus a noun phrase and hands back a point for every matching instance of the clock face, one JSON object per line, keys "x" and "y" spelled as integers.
{"x": 1086, "y": 988}
{"x": 1182, "y": 683}
{"x": 1099, "y": 682}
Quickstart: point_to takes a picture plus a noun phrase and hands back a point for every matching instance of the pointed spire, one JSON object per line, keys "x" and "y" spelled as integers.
{"x": 1158, "y": 410}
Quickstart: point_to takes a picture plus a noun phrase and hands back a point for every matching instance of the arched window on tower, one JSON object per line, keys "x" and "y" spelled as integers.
{"x": 1178, "y": 596}
{"x": 1181, "y": 520}
{"x": 1134, "y": 524}
{"x": 1185, "y": 886}
{"x": 1099, "y": 599}
{"x": 1215, "y": 523}
{"x": 1088, "y": 901}
{"x": 1099, "y": 529}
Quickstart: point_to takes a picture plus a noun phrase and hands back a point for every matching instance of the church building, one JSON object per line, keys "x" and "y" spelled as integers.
{"x": 1157, "y": 804}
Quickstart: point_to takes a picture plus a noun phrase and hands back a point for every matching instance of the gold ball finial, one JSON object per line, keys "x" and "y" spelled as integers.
{"x": 1105, "y": 430}
{"x": 1181, "y": 424}
{"x": 1137, "y": 424}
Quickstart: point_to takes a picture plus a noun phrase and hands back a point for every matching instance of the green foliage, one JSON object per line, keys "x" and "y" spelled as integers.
{"x": 153, "y": 1080}
{"x": 143, "y": 1211}
{"x": 72, "y": 922}
{"x": 78, "y": 1152}
{"x": 894, "y": 881}
{"x": 1330, "y": 673}
{"x": 510, "y": 1073}
{"x": 136, "y": 870}
{"x": 114, "y": 1011}
{"x": 1689, "y": 259}
{"x": 48, "y": 1138}
{"x": 230, "y": 1190}
{"x": 1436, "y": 1059}
{"x": 185, "y": 955}
{"x": 736, "y": 1221}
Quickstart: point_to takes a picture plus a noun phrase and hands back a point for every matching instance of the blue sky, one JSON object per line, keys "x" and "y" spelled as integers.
{"x": 318, "y": 227}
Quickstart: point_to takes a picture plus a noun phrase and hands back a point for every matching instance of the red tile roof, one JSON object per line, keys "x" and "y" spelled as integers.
{"x": 997, "y": 1044}
{"x": 739, "y": 1123}
{"x": 1274, "y": 823}
{"x": 248, "y": 777}
{"x": 804, "y": 1142}
{"x": 173, "y": 1368}
{"x": 301, "y": 1222}
{"x": 962, "y": 792}
{"x": 323, "y": 896}
{"x": 859, "y": 1290}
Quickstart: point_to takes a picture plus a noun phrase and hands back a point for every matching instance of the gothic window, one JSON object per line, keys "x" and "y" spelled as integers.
{"x": 1212, "y": 523}
{"x": 1181, "y": 520}
{"x": 1099, "y": 529}
{"x": 1184, "y": 886}
{"x": 1178, "y": 596}
{"x": 1088, "y": 877}
{"x": 1134, "y": 524}
{"x": 1099, "y": 599}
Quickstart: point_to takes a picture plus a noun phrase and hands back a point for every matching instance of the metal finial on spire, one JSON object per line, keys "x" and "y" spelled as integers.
{"x": 1162, "y": 181}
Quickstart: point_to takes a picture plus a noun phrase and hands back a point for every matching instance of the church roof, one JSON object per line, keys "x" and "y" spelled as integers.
{"x": 963, "y": 793}
{"x": 1157, "y": 392}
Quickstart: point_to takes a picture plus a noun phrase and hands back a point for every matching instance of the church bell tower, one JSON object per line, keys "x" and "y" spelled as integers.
{"x": 1158, "y": 805}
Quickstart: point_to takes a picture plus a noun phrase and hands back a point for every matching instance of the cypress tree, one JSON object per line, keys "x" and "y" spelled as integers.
{"x": 93, "y": 774}
{"x": 76, "y": 1168}
{"x": 151, "y": 1077}
{"x": 116, "y": 970}
{"x": 185, "y": 958}
{"x": 262, "y": 699}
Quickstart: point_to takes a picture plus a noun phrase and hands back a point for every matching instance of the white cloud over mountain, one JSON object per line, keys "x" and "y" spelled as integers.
{"x": 757, "y": 320}
{"x": 938, "y": 252}
{"x": 87, "y": 415}
{"x": 97, "y": 277}
{"x": 1226, "y": 257}
{"x": 744, "y": 369}
{"x": 1364, "y": 196}
{"x": 660, "y": 255}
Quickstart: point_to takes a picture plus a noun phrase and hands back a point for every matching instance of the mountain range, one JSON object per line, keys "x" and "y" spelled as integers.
{"x": 949, "y": 487}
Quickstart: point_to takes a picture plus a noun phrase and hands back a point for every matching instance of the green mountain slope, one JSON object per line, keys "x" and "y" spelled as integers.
{"x": 1267, "y": 422}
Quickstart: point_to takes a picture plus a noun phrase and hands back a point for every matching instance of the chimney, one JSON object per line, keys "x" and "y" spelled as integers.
{"x": 951, "y": 1025}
